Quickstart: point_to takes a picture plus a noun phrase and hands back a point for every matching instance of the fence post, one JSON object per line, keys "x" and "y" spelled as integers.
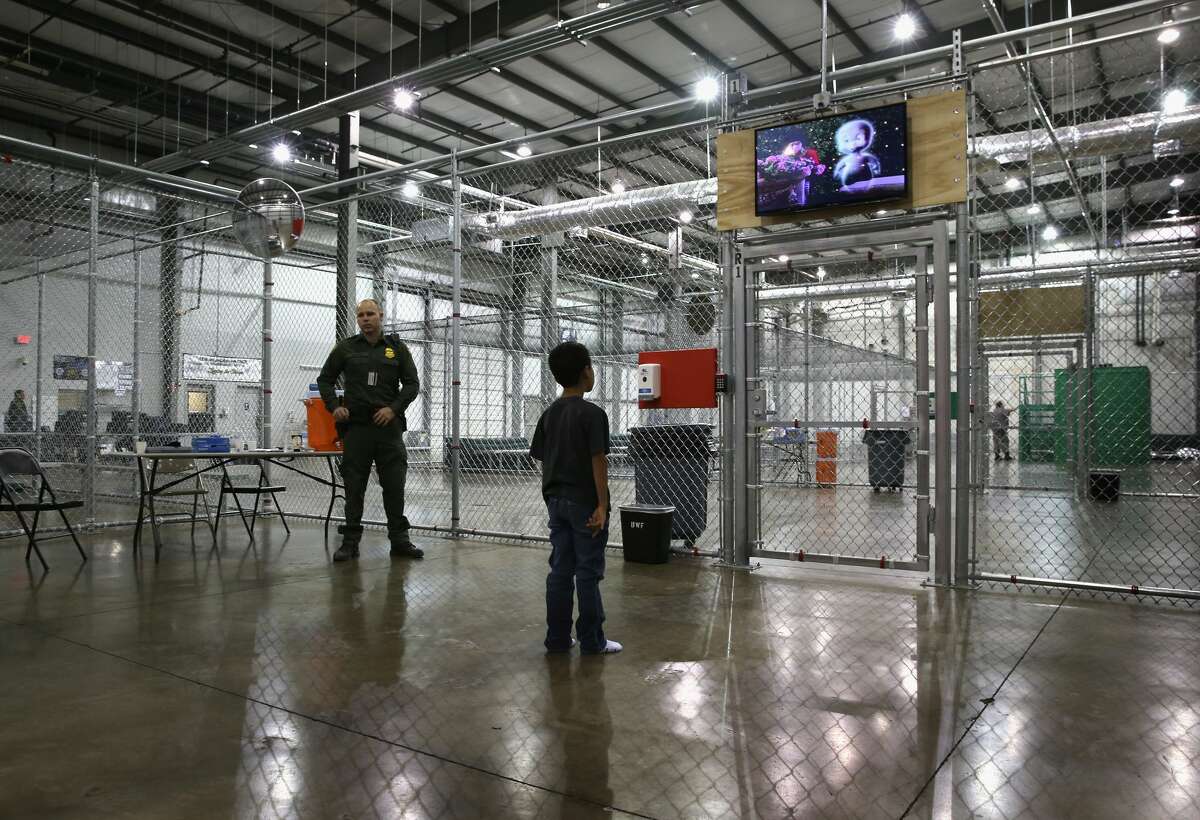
{"x": 962, "y": 476}
{"x": 265, "y": 420}
{"x": 89, "y": 477}
{"x": 729, "y": 367}
{"x": 136, "y": 397}
{"x": 456, "y": 346}
{"x": 941, "y": 377}
{"x": 38, "y": 358}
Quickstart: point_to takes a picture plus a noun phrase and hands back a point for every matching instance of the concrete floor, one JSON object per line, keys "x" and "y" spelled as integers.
{"x": 266, "y": 682}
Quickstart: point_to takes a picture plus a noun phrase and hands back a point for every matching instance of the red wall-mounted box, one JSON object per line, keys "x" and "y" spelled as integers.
{"x": 689, "y": 378}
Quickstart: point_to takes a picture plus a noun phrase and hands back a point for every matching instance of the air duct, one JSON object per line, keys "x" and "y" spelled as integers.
{"x": 660, "y": 202}
{"x": 1152, "y": 132}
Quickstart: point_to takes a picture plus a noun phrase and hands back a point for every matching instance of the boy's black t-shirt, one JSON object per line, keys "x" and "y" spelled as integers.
{"x": 568, "y": 434}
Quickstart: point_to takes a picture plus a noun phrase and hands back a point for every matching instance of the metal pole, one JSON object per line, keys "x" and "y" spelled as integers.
{"x": 427, "y": 363}
{"x": 824, "y": 50}
{"x": 39, "y": 358}
{"x": 456, "y": 346}
{"x": 741, "y": 426}
{"x": 89, "y": 478}
{"x": 921, "y": 396}
{"x": 962, "y": 475}
{"x": 265, "y": 420}
{"x": 750, "y": 329}
{"x": 941, "y": 378}
{"x": 135, "y": 400}
{"x": 728, "y": 251}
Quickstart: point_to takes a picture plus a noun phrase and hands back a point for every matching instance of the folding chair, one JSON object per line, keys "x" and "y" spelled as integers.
{"x": 177, "y": 488}
{"x": 257, "y": 490}
{"x": 29, "y": 495}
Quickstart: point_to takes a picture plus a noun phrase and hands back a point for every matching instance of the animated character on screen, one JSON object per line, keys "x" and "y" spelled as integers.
{"x": 792, "y": 167}
{"x": 857, "y": 164}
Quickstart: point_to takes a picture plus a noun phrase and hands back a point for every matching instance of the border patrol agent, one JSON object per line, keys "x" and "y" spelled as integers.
{"x": 380, "y": 381}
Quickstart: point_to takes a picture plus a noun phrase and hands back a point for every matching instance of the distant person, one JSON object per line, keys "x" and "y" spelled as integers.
{"x": 998, "y": 421}
{"x": 17, "y": 419}
{"x": 571, "y": 441}
{"x": 380, "y": 380}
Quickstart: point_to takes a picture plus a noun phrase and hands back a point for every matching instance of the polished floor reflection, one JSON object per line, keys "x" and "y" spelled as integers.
{"x": 265, "y": 682}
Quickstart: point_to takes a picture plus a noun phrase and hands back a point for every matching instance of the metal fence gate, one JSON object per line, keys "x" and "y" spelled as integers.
{"x": 839, "y": 395}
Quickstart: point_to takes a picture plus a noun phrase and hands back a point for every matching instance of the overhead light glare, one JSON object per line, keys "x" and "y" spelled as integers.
{"x": 410, "y": 190}
{"x": 1012, "y": 183}
{"x": 1177, "y": 182}
{"x": 905, "y": 27}
{"x": 783, "y": 257}
{"x": 404, "y": 99}
{"x": 253, "y": 147}
{"x": 1168, "y": 36}
{"x": 685, "y": 216}
{"x": 281, "y": 153}
{"x": 204, "y": 162}
{"x": 1049, "y": 233}
{"x": 1173, "y": 211}
{"x": 707, "y": 89}
{"x": 1174, "y": 101}
{"x": 821, "y": 273}
{"x": 1033, "y": 209}
{"x": 523, "y": 150}
{"x": 617, "y": 187}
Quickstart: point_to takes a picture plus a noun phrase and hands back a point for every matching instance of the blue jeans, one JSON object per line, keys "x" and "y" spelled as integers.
{"x": 576, "y": 565}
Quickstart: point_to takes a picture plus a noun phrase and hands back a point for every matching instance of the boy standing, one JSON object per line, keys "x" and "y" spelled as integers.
{"x": 571, "y": 441}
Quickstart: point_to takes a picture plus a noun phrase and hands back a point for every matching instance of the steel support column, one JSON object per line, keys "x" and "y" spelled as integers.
{"x": 943, "y": 512}
{"x": 347, "y": 228}
{"x": 962, "y": 473}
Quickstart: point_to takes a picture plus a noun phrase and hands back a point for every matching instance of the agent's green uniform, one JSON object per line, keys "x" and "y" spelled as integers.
{"x": 375, "y": 376}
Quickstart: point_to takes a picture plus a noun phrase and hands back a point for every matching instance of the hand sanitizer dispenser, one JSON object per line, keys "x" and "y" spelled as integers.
{"x": 649, "y": 382}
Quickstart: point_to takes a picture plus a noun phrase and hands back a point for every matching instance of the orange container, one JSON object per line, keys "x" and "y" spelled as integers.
{"x": 827, "y": 444}
{"x": 827, "y": 472}
{"x": 322, "y": 433}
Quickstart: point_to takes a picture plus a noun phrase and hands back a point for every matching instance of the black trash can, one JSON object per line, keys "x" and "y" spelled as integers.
{"x": 1104, "y": 485}
{"x": 646, "y": 533}
{"x": 670, "y": 464}
{"x": 885, "y": 457}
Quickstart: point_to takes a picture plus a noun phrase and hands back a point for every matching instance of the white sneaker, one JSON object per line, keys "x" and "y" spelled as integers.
{"x": 610, "y": 648}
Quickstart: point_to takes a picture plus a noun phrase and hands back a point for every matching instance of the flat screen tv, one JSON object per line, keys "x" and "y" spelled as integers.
{"x": 844, "y": 159}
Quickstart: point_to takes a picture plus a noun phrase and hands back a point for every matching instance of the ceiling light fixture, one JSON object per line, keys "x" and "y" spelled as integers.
{"x": 204, "y": 162}
{"x": 404, "y": 99}
{"x": 905, "y": 27}
{"x": 1012, "y": 183}
{"x": 1173, "y": 211}
{"x": 281, "y": 153}
{"x": 1174, "y": 101}
{"x": 783, "y": 257}
{"x": 603, "y": 4}
{"x": 1049, "y": 233}
{"x": 821, "y": 273}
{"x": 1033, "y": 209}
{"x": 523, "y": 151}
{"x": 617, "y": 187}
{"x": 685, "y": 216}
{"x": 1177, "y": 182}
{"x": 1168, "y": 36}
{"x": 707, "y": 89}
{"x": 253, "y": 147}
{"x": 410, "y": 190}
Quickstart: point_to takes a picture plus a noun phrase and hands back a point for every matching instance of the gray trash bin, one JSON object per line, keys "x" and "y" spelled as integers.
{"x": 670, "y": 464}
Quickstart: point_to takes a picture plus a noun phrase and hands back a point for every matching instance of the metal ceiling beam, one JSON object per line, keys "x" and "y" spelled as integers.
{"x": 637, "y": 66}
{"x": 766, "y": 35}
{"x": 315, "y": 107}
{"x": 309, "y": 27}
{"x": 389, "y": 15}
{"x": 852, "y": 36}
{"x": 580, "y": 80}
{"x": 209, "y": 32}
{"x": 693, "y": 45}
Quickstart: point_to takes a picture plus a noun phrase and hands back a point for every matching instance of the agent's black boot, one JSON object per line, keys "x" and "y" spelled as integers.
{"x": 403, "y": 547}
{"x": 351, "y": 536}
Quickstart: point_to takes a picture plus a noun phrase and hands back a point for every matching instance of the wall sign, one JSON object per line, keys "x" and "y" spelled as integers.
{"x": 200, "y": 368}
{"x": 116, "y": 376}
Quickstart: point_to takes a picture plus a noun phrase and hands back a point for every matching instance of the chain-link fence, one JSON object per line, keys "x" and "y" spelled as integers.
{"x": 1085, "y": 378}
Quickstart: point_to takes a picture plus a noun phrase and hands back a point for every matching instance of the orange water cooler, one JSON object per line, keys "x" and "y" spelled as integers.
{"x": 827, "y": 445}
{"x": 322, "y": 432}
